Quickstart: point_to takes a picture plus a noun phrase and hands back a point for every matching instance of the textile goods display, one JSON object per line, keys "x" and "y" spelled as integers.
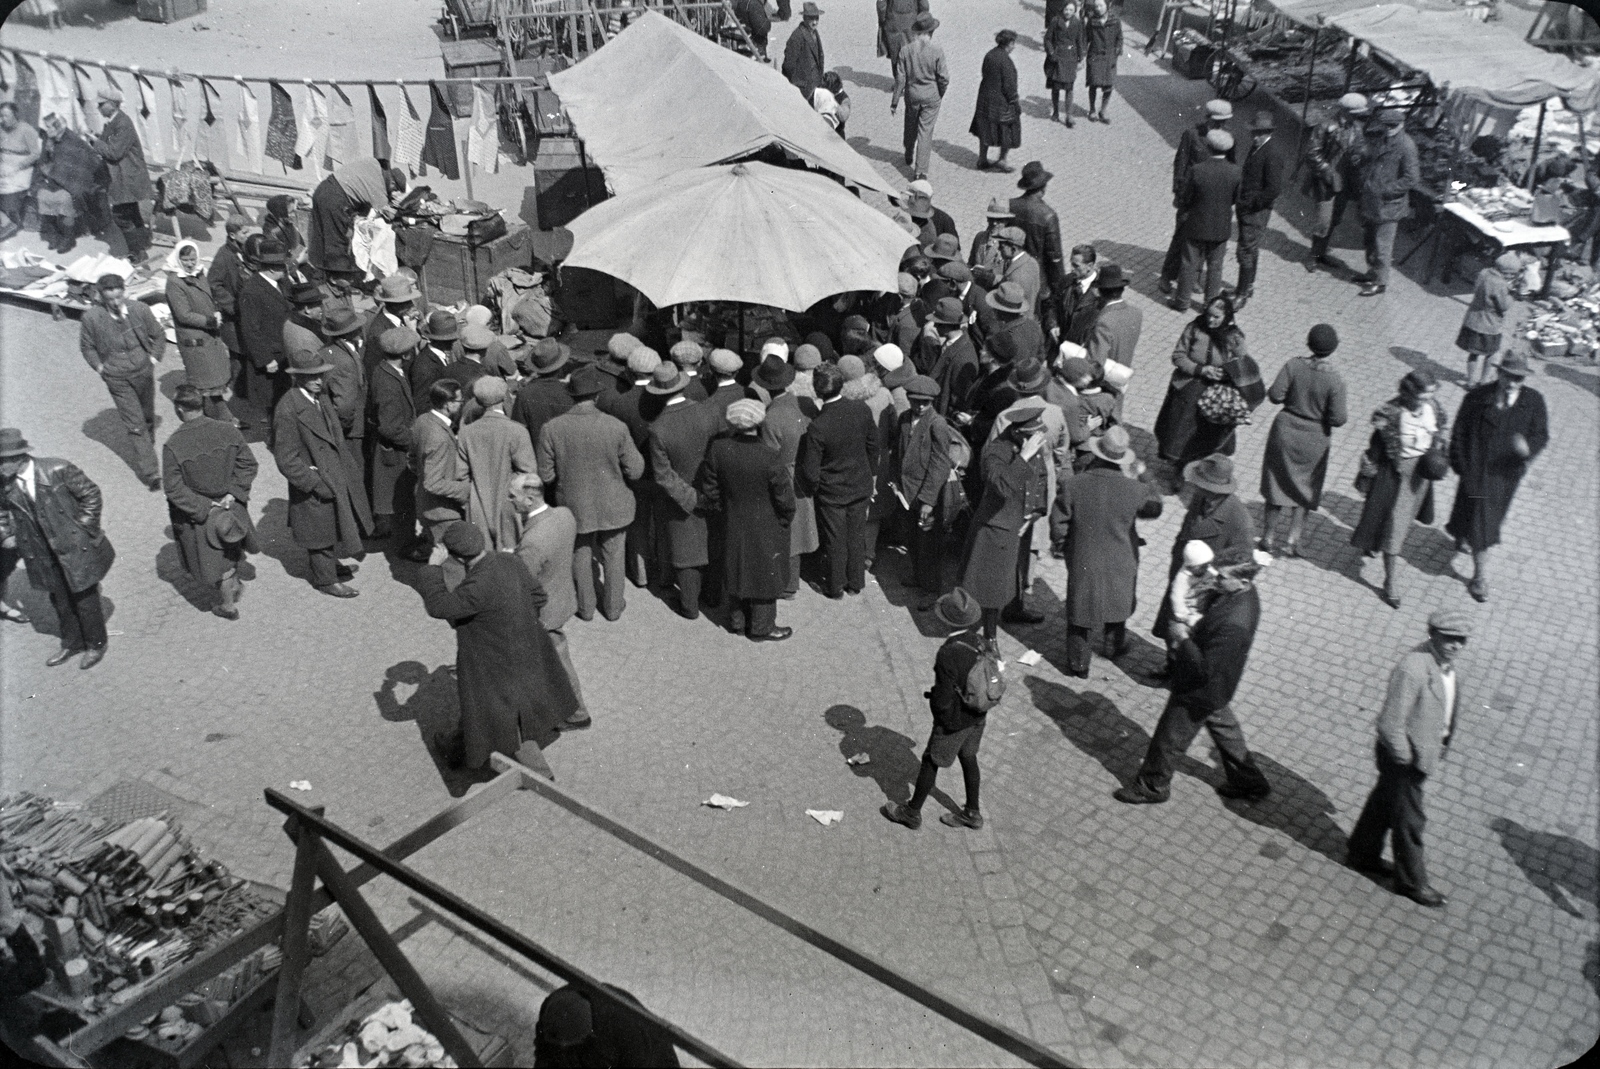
{"x": 408, "y": 139}
{"x": 247, "y": 130}
{"x": 750, "y": 232}
{"x": 281, "y": 130}
{"x": 142, "y": 110}
{"x": 439, "y": 141}
{"x": 344, "y": 143}
{"x": 182, "y": 131}
{"x": 210, "y": 140}
{"x": 311, "y": 132}
{"x": 58, "y": 95}
{"x": 373, "y": 246}
{"x": 380, "y": 124}
{"x": 85, "y": 90}
{"x": 659, "y": 98}
{"x": 483, "y": 140}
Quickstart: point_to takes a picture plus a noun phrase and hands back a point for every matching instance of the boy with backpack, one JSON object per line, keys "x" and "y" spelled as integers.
{"x": 966, "y": 685}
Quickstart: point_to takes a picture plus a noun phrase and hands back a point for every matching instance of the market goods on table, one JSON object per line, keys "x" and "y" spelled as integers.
{"x": 386, "y": 1037}
{"x": 1566, "y": 322}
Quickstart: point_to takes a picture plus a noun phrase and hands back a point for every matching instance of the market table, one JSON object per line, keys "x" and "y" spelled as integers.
{"x": 1460, "y": 225}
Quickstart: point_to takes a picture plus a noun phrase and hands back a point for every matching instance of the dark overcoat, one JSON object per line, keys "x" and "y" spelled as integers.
{"x": 347, "y": 385}
{"x": 538, "y": 402}
{"x": 311, "y": 452}
{"x": 746, "y": 482}
{"x": 205, "y": 357}
{"x": 390, "y": 415}
{"x": 802, "y": 60}
{"x": 1094, "y": 515}
{"x": 333, "y": 224}
{"x": 224, "y": 277}
{"x": 998, "y": 116}
{"x": 592, "y": 460}
{"x": 74, "y": 165}
{"x": 676, "y": 444}
{"x": 1102, "y": 46}
{"x": 1490, "y": 470}
{"x": 1064, "y": 45}
{"x": 263, "y": 310}
{"x": 1013, "y": 490}
{"x": 838, "y": 459}
{"x": 894, "y": 24}
{"x": 508, "y": 677}
{"x": 1227, "y": 529}
{"x": 1208, "y": 199}
{"x": 61, "y": 522}
{"x": 784, "y": 429}
{"x": 118, "y": 144}
{"x": 203, "y": 461}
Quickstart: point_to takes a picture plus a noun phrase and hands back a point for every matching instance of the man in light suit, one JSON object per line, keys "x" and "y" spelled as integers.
{"x": 442, "y": 485}
{"x": 1117, "y": 326}
{"x": 549, "y": 533}
{"x": 1414, "y": 732}
{"x": 494, "y": 448}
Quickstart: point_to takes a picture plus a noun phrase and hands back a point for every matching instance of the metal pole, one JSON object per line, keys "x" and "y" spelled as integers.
{"x": 1311, "y": 70}
{"x": 1538, "y": 135}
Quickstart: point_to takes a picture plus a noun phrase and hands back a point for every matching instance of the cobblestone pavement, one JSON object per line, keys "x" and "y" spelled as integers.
{"x": 1196, "y": 933}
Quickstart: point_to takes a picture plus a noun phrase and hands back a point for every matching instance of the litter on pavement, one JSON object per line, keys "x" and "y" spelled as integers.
{"x": 722, "y": 801}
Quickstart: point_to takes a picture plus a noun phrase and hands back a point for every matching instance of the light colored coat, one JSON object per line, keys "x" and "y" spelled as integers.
{"x": 1411, "y": 725}
{"x": 590, "y": 456}
{"x": 494, "y": 448}
{"x": 546, "y": 549}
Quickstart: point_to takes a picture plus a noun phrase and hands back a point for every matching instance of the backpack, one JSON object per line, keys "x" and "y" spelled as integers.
{"x": 984, "y": 686}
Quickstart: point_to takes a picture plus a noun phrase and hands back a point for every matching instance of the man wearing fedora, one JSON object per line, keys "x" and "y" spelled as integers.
{"x": 1208, "y": 663}
{"x": 837, "y": 467}
{"x": 390, "y": 416}
{"x": 1191, "y": 150}
{"x": 955, "y": 357}
{"x": 921, "y": 76}
{"x": 676, "y": 446}
{"x": 998, "y": 560}
{"x": 263, "y": 310}
{"x": 802, "y": 55}
{"x": 397, "y": 307}
{"x": 433, "y": 361}
{"x": 1043, "y": 230}
{"x": 1214, "y": 515}
{"x": 328, "y": 512}
{"x": 302, "y": 331}
{"x": 207, "y": 471}
{"x": 591, "y": 459}
{"x": 935, "y": 223}
{"x": 1207, "y": 204}
{"x": 957, "y": 726}
{"x": 435, "y": 459}
{"x": 1080, "y": 295}
{"x": 1389, "y": 171}
{"x": 1017, "y": 334}
{"x": 1260, "y": 181}
{"x": 347, "y": 382}
{"x": 50, "y": 517}
{"x": 1095, "y": 519}
{"x": 495, "y": 447}
{"x": 983, "y": 256}
{"x": 925, "y": 449}
{"x": 544, "y": 396}
{"x": 1414, "y": 730}
{"x": 122, "y": 342}
{"x": 118, "y": 144}
{"x": 783, "y": 429}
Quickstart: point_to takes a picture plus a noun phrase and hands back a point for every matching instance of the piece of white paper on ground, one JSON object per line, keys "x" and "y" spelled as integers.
{"x": 1029, "y": 659}
{"x": 722, "y": 801}
{"x": 826, "y": 817}
{"x": 300, "y": 785}
{"x": 858, "y": 759}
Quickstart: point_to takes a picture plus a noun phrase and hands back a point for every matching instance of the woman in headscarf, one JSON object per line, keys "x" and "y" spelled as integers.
{"x": 346, "y": 195}
{"x": 997, "y": 120}
{"x": 198, "y": 325}
{"x": 1210, "y": 350}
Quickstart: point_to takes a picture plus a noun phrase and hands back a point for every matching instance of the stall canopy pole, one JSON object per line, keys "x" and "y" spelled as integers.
{"x": 1311, "y": 70}
{"x": 1350, "y": 64}
{"x": 1538, "y": 135}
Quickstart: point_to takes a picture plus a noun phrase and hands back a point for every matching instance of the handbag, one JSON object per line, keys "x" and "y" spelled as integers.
{"x": 485, "y": 229}
{"x": 1368, "y": 471}
{"x": 1221, "y": 403}
{"x": 1435, "y": 463}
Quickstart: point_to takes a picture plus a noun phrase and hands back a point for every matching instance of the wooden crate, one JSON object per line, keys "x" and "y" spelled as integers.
{"x": 169, "y": 10}
{"x": 457, "y": 271}
{"x": 472, "y": 58}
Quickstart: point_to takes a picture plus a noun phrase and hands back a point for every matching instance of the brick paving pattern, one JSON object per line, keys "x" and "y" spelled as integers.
{"x": 1196, "y": 933}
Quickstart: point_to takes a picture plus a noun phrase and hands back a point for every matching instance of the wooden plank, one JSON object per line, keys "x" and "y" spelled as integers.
{"x": 441, "y": 822}
{"x": 296, "y": 944}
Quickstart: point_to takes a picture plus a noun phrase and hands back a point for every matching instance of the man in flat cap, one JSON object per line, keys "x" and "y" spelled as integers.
{"x": 495, "y": 447}
{"x": 118, "y": 144}
{"x": 1192, "y": 149}
{"x": 1390, "y": 169}
{"x": 1331, "y": 181}
{"x": 676, "y": 446}
{"x": 1207, "y": 204}
{"x": 837, "y": 466}
{"x": 1414, "y": 730}
{"x": 122, "y": 342}
{"x": 925, "y": 450}
{"x": 207, "y": 471}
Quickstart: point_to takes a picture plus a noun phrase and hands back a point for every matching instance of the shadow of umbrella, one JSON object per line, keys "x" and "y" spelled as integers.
{"x": 893, "y": 760}
{"x": 435, "y": 708}
{"x": 1567, "y": 870}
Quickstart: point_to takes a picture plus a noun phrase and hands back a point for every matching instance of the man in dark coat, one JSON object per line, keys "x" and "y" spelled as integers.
{"x": 578, "y": 1030}
{"x": 544, "y": 396}
{"x": 224, "y": 277}
{"x": 1191, "y": 150}
{"x": 1094, "y": 517}
{"x": 73, "y": 164}
{"x": 1016, "y": 335}
{"x": 122, "y": 342}
{"x": 837, "y": 466}
{"x": 433, "y": 361}
{"x": 263, "y": 310}
{"x": 998, "y": 560}
{"x": 1117, "y": 325}
{"x": 118, "y": 144}
{"x": 50, "y": 517}
{"x": 443, "y": 485}
{"x": 397, "y": 307}
{"x": 1260, "y": 181}
{"x": 637, "y": 408}
{"x": 752, "y": 15}
{"x": 1209, "y": 662}
{"x": 1043, "y": 230}
{"x": 723, "y": 386}
{"x": 1207, "y": 204}
{"x": 1080, "y": 296}
{"x": 510, "y": 682}
{"x": 1331, "y": 178}
{"x": 328, "y": 512}
{"x": 1389, "y": 171}
{"x": 955, "y": 367}
{"x": 924, "y": 448}
{"x": 347, "y": 382}
{"x": 390, "y": 415}
{"x": 676, "y": 446}
{"x": 1214, "y": 515}
{"x": 207, "y": 469}
{"x": 1500, "y": 428}
{"x": 802, "y": 57}
{"x": 746, "y": 482}
{"x": 895, "y": 21}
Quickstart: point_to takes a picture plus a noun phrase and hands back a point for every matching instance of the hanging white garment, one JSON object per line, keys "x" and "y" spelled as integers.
{"x": 182, "y": 124}
{"x": 372, "y": 246}
{"x": 247, "y": 129}
{"x": 59, "y": 95}
{"x": 483, "y": 137}
{"x": 141, "y": 108}
{"x": 344, "y": 143}
{"x": 311, "y": 122}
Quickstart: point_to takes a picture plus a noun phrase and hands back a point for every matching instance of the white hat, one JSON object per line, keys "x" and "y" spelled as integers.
{"x": 889, "y": 357}
{"x": 776, "y": 347}
{"x": 1197, "y": 553}
{"x": 921, "y": 187}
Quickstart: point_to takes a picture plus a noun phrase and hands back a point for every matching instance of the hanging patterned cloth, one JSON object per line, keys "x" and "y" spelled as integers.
{"x": 439, "y": 146}
{"x": 483, "y": 139}
{"x": 380, "y": 125}
{"x": 182, "y": 128}
{"x": 281, "y": 129}
{"x": 247, "y": 129}
{"x": 344, "y": 143}
{"x": 408, "y": 140}
{"x": 142, "y": 110}
{"x": 311, "y": 144}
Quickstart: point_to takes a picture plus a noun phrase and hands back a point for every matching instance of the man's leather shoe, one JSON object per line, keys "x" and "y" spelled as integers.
{"x": 1426, "y": 896}
{"x": 1377, "y": 867}
{"x": 339, "y": 590}
{"x": 346, "y": 571}
{"x": 1022, "y": 616}
{"x": 1134, "y": 794}
{"x": 227, "y": 612}
{"x": 1167, "y": 286}
{"x": 61, "y": 656}
{"x": 777, "y": 634}
{"x": 92, "y": 656}
{"x": 1243, "y": 794}
{"x": 901, "y": 813}
{"x": 419, "y": 553}
{"x": 1371, "y": 289}
{"x": 575, "y": 724}
{"x": 1240, "y": 300}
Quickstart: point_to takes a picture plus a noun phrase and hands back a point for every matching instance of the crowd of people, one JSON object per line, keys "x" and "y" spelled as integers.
{"x": 972, "y": 420}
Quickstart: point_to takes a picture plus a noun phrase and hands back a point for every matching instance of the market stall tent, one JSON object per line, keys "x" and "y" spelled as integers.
{"x": 1316, "y": 12}
{"x": 750, "y": 232}
{"x": 659, "y": 98}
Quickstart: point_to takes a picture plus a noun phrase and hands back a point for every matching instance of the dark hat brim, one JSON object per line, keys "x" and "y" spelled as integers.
{"x": 783, "y": 381}
{"x": 1094, "y": 446}
{"x": 1001, "y": 306}
{"x": 1191, "y": 475}
{"x": 318, "y": 370}
{"x": 956, "y": 621}
{"x": 339, "y": 332}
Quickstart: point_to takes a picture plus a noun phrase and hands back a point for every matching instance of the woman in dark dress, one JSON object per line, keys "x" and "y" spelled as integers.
{"x": 998, "y": 118}
{"x": 1063, "y": 51}
{"x": 1296, "y": 463}
{"x": 1210, "y": 350}
{"x": 1500, "y": 427}
{"x": 1394, "y": 474}
{"x": 1103, "y": 44}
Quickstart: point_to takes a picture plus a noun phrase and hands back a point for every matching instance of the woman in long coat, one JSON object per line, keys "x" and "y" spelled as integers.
{"x": 1094, "y": 515}
{"x": 997, "y": 120}
{"x": 1405, "y": 429}
{"x": 1064, "y": 45}
{"x": 1000, "y": 536}
{"x": 1103, "y": 44}
{"x": 746, "y": 481}
{"x": 1211, "y": 349}
{"x": 198, "y": 325}
{"x": 509, "y": 678}
{"x": 1500, "y": 427}
{"x": 1296, "y": 463}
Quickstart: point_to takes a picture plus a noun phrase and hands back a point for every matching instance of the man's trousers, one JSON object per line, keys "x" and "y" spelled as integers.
{"x": 1393, "y": 808}
{"x": 597, "y": 559}
{"x": 919, "y": 133}
{"x": 135, "y": 400}
{"x": 842, "y": 532}
{"x": 1176, "y": 731}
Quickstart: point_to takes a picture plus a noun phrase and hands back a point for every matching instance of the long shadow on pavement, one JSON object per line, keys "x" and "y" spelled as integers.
{"x": 434, "y": 707}
{"x": 1297, "y": 807}
{"x": 1417, "y": 360}
{"x": 1141, "y": 265}
{"x": 892, "y": 759}
{"x": 22, "y": 594}
{"x": 278, "y": 542}
{"x": 866, "y": 80}
{"x": 169, "y": 569}
{"x": 1581, "y": 379}
{"x": 1567, "y": 870}
{"x": 106, "y": 428}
